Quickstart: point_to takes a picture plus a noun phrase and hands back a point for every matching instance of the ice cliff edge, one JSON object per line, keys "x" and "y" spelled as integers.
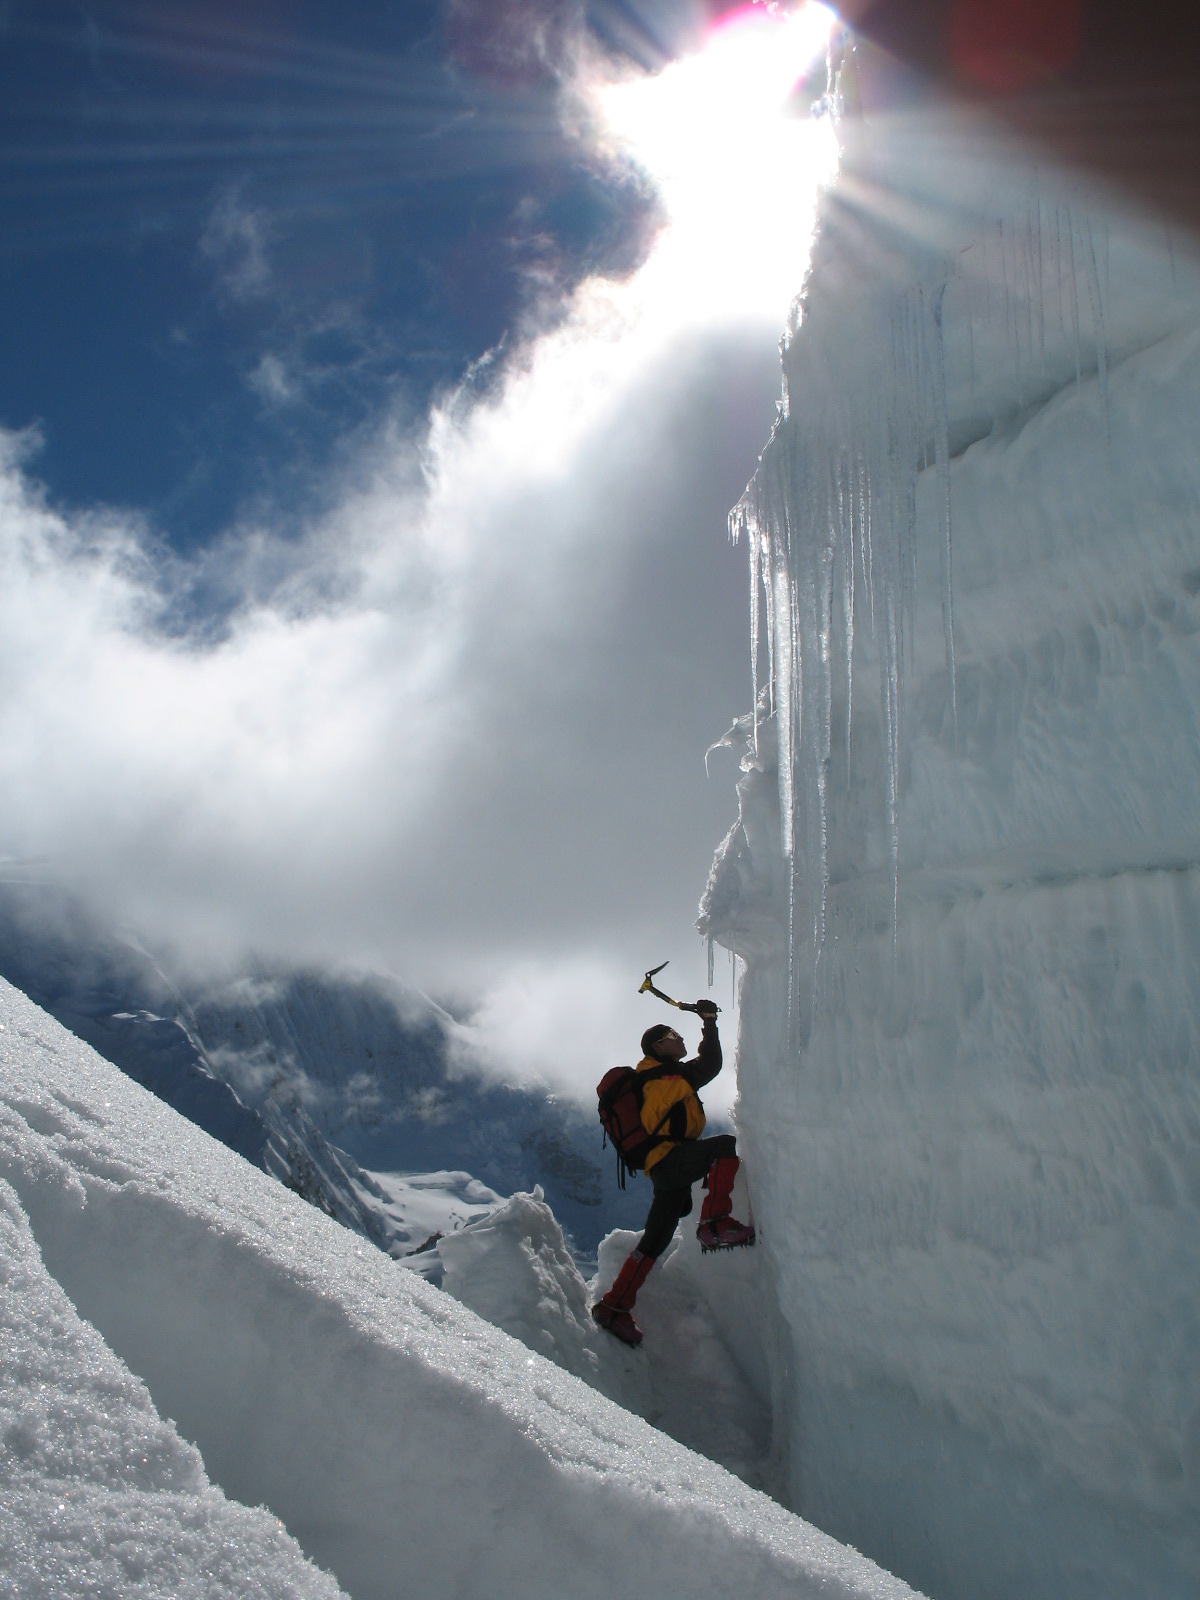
{"x": 965, "y": 878}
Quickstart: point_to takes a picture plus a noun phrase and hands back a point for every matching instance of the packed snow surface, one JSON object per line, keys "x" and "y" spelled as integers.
{"x": 100, "y": 1495}
{"x": 965, "y": 878}
{"x": 386, "y": 1433}
{"x": 700, "y": 1376}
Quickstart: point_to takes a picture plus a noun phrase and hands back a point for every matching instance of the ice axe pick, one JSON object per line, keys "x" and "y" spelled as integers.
{"x": 648, "y": 987}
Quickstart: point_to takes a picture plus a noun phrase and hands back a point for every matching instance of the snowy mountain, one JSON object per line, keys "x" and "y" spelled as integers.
{"x": 371, "y": 1064}
{"x": 964, "y": 882}
{"x": 342, "y": 1086}
{"x": 965, "y": 878}
{"x": 337, "y": 1425}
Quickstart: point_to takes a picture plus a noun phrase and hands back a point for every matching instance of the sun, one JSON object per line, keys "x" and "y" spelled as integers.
{"x": 736, "y": 166}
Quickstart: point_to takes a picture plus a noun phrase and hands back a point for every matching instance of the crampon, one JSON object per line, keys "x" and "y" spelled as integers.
{"x": 724, "y": 1233}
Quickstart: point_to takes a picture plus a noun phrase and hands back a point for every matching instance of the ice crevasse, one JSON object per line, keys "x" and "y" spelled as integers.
{"x": 964, "y": 877}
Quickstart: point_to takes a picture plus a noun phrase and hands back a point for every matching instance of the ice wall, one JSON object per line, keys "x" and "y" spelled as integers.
{"x": 964, "y": 876}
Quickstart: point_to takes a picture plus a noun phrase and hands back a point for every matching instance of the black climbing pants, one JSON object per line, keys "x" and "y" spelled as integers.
{"x": 673, "y": 1178}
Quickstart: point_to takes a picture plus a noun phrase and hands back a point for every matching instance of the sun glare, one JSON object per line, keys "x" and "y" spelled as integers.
{"x": 737, "y": 167}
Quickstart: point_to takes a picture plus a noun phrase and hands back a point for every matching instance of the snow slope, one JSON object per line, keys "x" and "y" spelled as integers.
{"x": 403, "y": 1443}
{"x": 966, "y": 878}
{"x": 700, "y": 1375}
{"x": 98, "y": 1495}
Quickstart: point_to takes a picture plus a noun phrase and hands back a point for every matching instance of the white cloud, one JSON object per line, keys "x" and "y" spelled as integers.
{"x": 235, "y": 243}
{"x": 558, "y": 1020}
{"x": 271, "y": 381}
{"x": 457, "y": 731}
{"x": 465, "y": 729}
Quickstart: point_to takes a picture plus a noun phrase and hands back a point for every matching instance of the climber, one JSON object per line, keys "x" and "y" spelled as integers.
{"x": 673, "y": 1115}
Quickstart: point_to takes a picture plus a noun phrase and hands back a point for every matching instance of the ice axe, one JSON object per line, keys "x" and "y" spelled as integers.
{"x": 648, "y": 987}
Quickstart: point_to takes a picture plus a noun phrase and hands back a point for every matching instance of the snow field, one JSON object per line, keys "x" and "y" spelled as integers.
{"x": 404, "y": 1444}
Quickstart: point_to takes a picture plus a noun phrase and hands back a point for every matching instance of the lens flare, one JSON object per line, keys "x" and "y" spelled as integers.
{"x": 737, "y": 167}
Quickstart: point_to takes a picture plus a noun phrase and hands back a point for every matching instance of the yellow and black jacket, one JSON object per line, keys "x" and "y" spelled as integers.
{"x": 671, "y": 1108}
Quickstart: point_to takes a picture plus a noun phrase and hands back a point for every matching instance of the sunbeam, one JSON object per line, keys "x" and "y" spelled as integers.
{"x": 165, "y": 109}
{"x": 731, "y": 158}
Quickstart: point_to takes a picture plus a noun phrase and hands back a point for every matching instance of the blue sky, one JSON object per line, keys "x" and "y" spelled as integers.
{"x": 234, "y": 232}
{"x": 375, "y": 381}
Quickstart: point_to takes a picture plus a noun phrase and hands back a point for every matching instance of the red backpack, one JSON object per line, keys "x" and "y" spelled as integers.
{"x": 620, "y": 1095}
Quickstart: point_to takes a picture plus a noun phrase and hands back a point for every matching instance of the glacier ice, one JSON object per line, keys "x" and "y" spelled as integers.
{"x": 832, "y": 510}
{"x": 969, "y": 1055}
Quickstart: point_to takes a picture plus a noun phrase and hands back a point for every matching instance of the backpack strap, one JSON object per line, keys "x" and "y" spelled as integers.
{"x": 653, "y": 1074}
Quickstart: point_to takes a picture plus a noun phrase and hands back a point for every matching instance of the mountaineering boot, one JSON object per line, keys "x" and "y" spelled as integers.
{"x": 613, "y": 1312}
{"x": 725, "y": 1233}
{"x": 619, "y": 1323}
{"x": 718, "y": 1230}
{"x": 718, "y": 1202}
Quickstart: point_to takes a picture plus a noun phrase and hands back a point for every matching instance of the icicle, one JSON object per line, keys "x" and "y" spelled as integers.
{"x": 1011, "y": 320}
{"x": 1072, "y": 279}
{"x": 796, "y": 709}
{"x": 908, "y": 545}
{"x": 782, "y": 673}
{"x": 1107, "y": 278}
{"x": 764, "y": 556}
{"x": 903, "y": 445}
{"x": 1093, "y": 279}
{"x": 823, "y": 598}
{"x": 1027, "y": 272}
{"x": 1004, "y": 278}
{"x": 864, "y": 528}
{"x": 836, "y": 496}
{"x": 710, "y": 961}
{"x": 970, "y": 337}
{"x": 889, "y": 664}
{"x": 846, "y": 489}
{"x": 755, "y": 611}
{"x": 1058, "y": 270}
{"x": 791, "y": 1005}
{"x": 1036, "y": 223}
{"x": 924, "y": 369}
{"x": 941, "y": 443}
{"x": 987, "y": 285}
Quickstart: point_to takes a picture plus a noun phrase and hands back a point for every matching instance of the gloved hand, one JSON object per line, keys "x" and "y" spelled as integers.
{"x": 706, "y": 1008}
